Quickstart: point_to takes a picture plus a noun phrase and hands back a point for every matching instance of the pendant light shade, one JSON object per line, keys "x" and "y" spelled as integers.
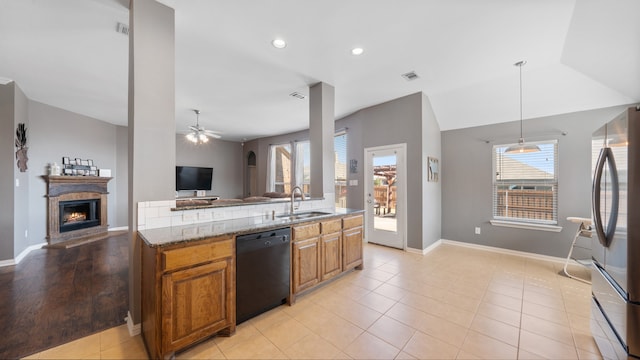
{"x": 522, "y": 147}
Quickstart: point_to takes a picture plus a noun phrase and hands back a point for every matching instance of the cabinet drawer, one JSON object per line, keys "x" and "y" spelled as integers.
{"x": 301, "y": 232}
{"x": 196, "y": 254}
{"x": 352, "y": 221}
{"x": 331, "y": 226}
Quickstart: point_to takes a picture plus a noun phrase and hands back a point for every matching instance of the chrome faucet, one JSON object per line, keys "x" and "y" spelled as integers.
{"x": 293, "y": 197}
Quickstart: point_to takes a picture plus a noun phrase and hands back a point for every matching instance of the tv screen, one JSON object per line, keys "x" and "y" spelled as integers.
{"x": 193, "y": 178}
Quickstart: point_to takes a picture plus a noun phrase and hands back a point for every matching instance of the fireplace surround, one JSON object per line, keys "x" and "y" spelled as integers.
{"x": 76, "y": 209}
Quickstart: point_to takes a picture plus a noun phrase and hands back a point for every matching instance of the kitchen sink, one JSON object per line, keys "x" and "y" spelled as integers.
{"x": 302, "y": 215}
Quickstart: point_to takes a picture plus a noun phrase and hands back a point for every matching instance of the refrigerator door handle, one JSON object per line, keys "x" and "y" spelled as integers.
{"x": 606, "y": 157}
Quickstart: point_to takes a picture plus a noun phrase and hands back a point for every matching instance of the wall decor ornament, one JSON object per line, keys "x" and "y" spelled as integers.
{"x": 21, "y": 144}
{"x": 433, "y": 169}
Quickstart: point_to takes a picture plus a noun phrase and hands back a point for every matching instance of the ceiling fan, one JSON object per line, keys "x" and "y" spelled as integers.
{"x": 199, "y": 134}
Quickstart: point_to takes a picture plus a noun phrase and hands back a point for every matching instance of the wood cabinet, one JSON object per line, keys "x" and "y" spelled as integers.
{"x": 306, "y": 269}
{"x": 352, "y": 236}
{"x": 188, "y": 293}
{"x": 323, "y": 250}
{"x": 331, "y": 248}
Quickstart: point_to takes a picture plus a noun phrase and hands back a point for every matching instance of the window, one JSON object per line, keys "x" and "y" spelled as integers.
{"x": 279, "y": 175}
{"x": 302, "y": 169}
{"x": 340, "y": 149}
{"x": 287, "y": 167}
{"x": 525, "y": 185}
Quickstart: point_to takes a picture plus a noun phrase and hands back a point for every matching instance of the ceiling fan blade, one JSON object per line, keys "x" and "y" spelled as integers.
{"x": 215, "y": 136}
{"x": 212, "y": 131}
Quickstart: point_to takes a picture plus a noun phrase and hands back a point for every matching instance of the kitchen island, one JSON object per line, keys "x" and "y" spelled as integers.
{"x": 188, "y": 271}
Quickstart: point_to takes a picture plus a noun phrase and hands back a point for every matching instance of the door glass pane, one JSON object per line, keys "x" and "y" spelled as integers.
{"x": 384, "y": 188}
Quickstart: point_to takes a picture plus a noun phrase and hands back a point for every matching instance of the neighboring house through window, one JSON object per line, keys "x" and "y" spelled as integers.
{"x": 525, "y": 185}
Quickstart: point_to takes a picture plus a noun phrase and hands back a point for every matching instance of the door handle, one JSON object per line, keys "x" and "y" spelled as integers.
{"x": 606, "y": 157}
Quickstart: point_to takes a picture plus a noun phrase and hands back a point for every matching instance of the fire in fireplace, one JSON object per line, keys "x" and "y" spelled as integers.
{"x": 79, "y": 214}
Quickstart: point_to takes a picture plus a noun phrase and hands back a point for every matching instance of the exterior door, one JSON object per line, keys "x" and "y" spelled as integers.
{"x": 385, "y": 199}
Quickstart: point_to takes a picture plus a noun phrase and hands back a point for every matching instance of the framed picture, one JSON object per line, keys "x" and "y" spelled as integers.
{"x": 65, "y": 160}
{"x": 432, "y": 164}
{"x": 78, "y": 161}
{"x": 85, "y": 163}
{"x": 93, "y": 168}
{"x": 90, "y": 162}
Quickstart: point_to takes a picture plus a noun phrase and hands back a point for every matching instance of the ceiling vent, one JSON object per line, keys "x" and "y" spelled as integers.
{"x": 411, "y": 75}
{"x": 298, "y": 95}
{"x": 122, "y": 28}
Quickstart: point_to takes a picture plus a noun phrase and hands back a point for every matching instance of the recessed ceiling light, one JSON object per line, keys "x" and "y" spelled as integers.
{"x": 279, "y": 43}
{"x": 357, "y": 51}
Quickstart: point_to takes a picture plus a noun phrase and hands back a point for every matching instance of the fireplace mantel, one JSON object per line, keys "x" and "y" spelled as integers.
{"x": 62, "y": 189}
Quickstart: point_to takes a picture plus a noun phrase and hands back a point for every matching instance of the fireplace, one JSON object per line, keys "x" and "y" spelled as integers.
{"x": 76, "y": 209}
{"x": 79, "y": 214}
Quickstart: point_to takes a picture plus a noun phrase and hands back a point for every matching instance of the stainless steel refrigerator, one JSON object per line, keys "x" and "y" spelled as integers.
{"x": 615, "y": 313}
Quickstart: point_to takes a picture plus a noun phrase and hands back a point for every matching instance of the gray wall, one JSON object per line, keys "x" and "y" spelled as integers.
{"x": 261, "y": 148}
{"x": 21, "y": 206}
{"x": 151, "y": 121}
{"x": 56, "y": 133}
{"x": 122, "y": 180}
{"x": 8, "y": 165}
{"x": 407, "y": 120}
{"x": 225, "y": 157}
{"x": 393, "y": 122}
{"x": 431, "y": 190}
{"x": 466, "y": 174}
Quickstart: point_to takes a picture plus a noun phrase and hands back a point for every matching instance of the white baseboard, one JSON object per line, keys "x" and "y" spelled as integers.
{"x": 426, "y": 250}
{"x": 504, "y": 251}
{"x": 119, "y": 228}
{"x": 22, "y": 255}
{"x": 134, "y": 329}
{"x": 9, "y": 262}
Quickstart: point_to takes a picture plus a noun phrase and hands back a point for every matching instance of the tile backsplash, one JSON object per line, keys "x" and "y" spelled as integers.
{"x": 157, "y": 214}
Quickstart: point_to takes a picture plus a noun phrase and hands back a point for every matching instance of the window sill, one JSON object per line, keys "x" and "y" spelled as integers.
{"x": 528, "y": 226}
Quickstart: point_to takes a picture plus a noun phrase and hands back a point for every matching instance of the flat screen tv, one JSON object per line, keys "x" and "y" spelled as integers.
{"x": 193, "y": 178}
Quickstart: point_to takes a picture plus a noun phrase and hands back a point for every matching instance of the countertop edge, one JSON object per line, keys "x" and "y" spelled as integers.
{"x": 206, "y": 230}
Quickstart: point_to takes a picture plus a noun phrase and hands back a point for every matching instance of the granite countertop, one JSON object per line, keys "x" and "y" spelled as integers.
{"x": 177, "y": 234}
{"x": 195, "y": 203}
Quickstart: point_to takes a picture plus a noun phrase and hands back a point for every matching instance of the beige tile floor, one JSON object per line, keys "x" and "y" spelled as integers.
{"x": 453, "y": 303}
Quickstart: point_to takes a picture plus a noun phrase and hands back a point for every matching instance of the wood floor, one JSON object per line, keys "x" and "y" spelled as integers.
{"x": 54, "y": 296}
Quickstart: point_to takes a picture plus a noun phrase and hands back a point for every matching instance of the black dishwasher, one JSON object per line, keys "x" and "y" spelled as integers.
{"x": 262, "y": 272}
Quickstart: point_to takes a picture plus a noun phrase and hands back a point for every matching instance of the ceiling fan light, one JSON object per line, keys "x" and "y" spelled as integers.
{"x": 191, "y": 137}
{"x": 203, "y": 138}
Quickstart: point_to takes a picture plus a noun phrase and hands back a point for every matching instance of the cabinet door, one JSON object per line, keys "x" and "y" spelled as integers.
{"x": 331, "y": 255}
{"x": 196, "y": 303}
{"x": 306, "y": 263}
{"x": 352, "y": 248}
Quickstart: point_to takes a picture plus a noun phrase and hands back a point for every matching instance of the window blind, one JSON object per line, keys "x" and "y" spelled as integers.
{"x": 525, "y": 185}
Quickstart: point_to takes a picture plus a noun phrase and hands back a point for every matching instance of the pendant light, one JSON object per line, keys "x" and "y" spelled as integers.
{"x": 521, "y": 147}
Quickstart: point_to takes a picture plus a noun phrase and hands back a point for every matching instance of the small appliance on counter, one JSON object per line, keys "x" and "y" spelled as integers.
{"x": 615, "y": 276}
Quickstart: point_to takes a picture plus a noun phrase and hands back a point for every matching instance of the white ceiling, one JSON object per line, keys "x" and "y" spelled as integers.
{"x": 581, "y": 54}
